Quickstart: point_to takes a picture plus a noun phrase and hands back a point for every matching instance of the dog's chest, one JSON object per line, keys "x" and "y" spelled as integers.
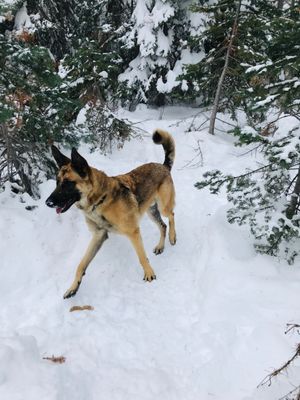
{"x": 100, "y": 221}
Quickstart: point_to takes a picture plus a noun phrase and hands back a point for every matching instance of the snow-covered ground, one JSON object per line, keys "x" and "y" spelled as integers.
{"x": 210, "y": 327}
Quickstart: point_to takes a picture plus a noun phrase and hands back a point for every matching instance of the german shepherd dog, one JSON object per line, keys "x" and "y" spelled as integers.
{"x": 116, "y": 204}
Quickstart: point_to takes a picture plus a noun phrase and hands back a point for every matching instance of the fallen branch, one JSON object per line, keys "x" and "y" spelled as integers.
{"x": 286, "y": 396}
{"x": 81, "y": 308}
{"x": 57, "y": 360}
{"x": 291, "y": 327}
{"x": 268, "y": 378}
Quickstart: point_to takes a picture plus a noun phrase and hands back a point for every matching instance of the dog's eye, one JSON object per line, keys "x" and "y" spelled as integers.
{"x": 66, "y": 184}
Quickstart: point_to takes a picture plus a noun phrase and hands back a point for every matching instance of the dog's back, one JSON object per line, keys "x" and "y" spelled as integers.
{"x": 146, "y": 181}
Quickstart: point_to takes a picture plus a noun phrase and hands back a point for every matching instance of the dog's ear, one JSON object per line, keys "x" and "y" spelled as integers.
{"x": 60, "y": 158}
{"x": 79, "y": 164}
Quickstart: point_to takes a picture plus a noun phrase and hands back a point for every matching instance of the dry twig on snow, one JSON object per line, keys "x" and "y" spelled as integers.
{"x": 57, "y": 360}
{"x": 268, "y": 378}
{"x": 81, "y": 308}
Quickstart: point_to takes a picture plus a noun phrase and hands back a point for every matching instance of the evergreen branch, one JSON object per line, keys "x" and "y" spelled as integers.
{"x": 220, "y": 182}
{"x": 275, "y": 244}
{"x": 261, "y": 144}
{"x": 253, "y": 172}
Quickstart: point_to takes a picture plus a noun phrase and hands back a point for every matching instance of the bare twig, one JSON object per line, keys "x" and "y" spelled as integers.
{"x": 294, "y": 202}
{"x": 268, "y": 378}
{"x": 291, "y": 183}
{"x": 57, "y": 360}
{"x": 197, "y": 164}
{"x": 225, "y": 122}
{"x": 291, "y": 327}
{"x": 81, "y": 308}
{"x": 285, "y": 397}
{"x": 220, "y": 130}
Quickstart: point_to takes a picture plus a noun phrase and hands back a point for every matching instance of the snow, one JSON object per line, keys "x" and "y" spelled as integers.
{"x": 187, "y": 58}
{"x": 163, "y": 43}
{"x": 161, "y": 12}
{"x": 103, "y": 74}
{"x": 257, "y": 68}
{"x": 136, "y": 71}
{"x": 22, "y": 19}
{"x": 81, "y": 117}
{"x": 210, "y": 327}
{"x": 8, "y": 1}
{"x": 77, "y": 81}
{"x": 154, "y": 44}
{"x": 267, "y": 100}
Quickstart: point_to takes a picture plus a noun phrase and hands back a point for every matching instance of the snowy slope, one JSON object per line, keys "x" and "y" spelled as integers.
{"x": 210, "y": 327}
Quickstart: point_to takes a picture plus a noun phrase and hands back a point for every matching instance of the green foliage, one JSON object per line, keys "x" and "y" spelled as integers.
{"x": 103, "y": 130}
{"x": 91, "y": 72}
{"x": 266, "y": 199}
{"x": 249, "y": 45}
{"x": 41, "y": 95}
{"x": 246, "y": 136}
{"x": 266, "y": 86}
{"x": 276, "y": 81}
{"x": 155, "y": 37}
{"x": 33, "y": 112}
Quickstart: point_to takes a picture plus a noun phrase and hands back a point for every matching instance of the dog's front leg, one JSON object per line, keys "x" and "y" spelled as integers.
{"x": 137, "y": 242}
{"x": 98, "y": 238}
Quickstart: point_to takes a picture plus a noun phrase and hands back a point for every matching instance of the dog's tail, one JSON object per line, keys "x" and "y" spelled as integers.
{"x": 166, "y": 140}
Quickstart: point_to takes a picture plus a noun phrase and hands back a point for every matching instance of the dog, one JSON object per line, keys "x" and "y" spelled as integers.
{"x": 117, "y": 203}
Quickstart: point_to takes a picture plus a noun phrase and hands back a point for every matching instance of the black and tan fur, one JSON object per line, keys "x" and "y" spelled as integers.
{"x": 116, "y": 204}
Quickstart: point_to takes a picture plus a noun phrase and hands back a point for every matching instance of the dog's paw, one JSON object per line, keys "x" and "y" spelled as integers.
{"x": 172, "y": 239}
{"x": 149, "y": 276}
{"x": 72, "y": 291}
{"x": 158, "y": 250}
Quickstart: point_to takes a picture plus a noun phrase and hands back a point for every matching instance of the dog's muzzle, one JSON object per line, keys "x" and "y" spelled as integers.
{"x": 49, "y": 203}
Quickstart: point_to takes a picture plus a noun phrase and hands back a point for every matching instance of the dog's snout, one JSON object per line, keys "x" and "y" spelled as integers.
{"x": 49, "y": 202}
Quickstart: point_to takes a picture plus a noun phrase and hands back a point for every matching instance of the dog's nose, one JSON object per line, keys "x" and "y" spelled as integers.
{"x": 49, "y": 202}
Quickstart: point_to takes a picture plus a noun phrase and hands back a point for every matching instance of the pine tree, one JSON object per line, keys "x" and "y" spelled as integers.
{"x": 43, "y": 89}
{"x": 250, "y": 40}
{"x": 268, "y": 198}
{"x": 159, "y": 29}
{"x": 91, "y": 75}
{"x": 33, "y": 111}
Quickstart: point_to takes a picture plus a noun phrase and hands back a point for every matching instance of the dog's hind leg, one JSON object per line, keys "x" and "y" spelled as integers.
{"x": 94, "y": 246}
{"x": 166, "y": 202}
{"x": 137, "y": 243}
{"x": 154, "y": 214}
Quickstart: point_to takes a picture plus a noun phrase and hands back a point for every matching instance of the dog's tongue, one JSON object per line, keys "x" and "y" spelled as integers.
{"x": 59, "y": 210}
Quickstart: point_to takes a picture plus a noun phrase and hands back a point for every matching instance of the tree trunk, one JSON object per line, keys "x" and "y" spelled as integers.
{"x": 280, "y": 4}
{"x": 211, "y": 129}
{"x": 292, "y": 208}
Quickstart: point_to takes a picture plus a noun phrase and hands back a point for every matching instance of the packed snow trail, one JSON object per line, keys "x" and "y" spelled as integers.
{"x": 210, "y": 327}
